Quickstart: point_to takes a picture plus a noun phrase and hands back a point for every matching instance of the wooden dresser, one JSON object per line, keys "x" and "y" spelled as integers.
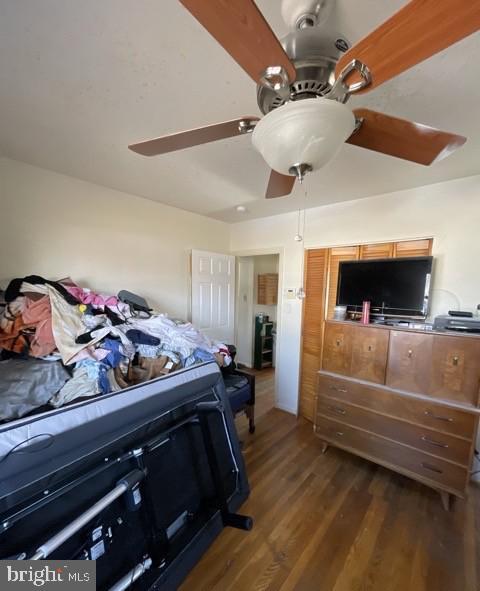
{"x": 405, "y": 399}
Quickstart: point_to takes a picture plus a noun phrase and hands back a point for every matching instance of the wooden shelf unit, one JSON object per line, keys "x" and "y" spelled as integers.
{"x": 267, "y": 289}
{"x": 263, "y": 352}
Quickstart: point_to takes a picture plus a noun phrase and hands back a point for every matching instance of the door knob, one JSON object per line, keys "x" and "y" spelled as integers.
{"x": 455, "y": 360}
{"x": 410, "y": 353}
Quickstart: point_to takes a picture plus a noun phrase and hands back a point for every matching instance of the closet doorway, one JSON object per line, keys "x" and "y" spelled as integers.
{"x": 257, "y": 297}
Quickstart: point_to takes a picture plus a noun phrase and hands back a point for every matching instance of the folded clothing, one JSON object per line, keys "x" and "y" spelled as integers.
{"x": 26, "y": 384}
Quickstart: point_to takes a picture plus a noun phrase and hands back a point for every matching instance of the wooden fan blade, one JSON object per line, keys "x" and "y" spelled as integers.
{"x": 403, "y": 139}
{"x": 244, "y": 33}
{"x": 419, "y": 30}
{"x": 279, "y": 185}
{"x": 193, "y": 137}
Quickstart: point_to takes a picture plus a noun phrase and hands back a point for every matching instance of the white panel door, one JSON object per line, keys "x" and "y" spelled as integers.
{"x": 213, "y": 294}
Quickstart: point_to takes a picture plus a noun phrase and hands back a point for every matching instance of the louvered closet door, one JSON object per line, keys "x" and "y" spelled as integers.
{"x": 413, "y": 248}
{"x": 313, "y": 315}
{"x": 377, "y": 251}
{"x": 342, "y": 253}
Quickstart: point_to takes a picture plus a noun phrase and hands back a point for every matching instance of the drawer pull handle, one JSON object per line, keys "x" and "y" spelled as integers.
{"x": 339, "y": 433}
{"x": 410, "y": 353}
{"x": 455, "y": 360}
{"x": 430, "y": 414}
{"x": 337, "y": 409}
{"x": 344, "y": 390}
{"x": 433, "y": 442}
{"x": 431, "y": 468}
{"x": 338, "y": 343}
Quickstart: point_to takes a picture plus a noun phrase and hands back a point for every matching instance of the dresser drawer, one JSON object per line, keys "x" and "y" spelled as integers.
{"x": 429, "y": 414}
{"x": 393, "y": 455}
{"x": 432, "y": 442}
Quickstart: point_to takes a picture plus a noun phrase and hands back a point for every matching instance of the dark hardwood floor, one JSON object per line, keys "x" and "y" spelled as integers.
{"x": 335, "y": 522}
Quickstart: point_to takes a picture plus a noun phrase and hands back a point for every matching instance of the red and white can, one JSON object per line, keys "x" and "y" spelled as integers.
{"x": 366, "y": 313}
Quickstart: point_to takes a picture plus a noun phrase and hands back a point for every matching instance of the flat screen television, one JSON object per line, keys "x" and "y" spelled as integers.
{"x": 394, "y": 287}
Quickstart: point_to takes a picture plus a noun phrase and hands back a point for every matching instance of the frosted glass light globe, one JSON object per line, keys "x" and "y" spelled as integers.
{"x": 309, "y": 131}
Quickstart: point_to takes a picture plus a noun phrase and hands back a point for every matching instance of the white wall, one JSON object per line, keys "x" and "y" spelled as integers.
{"x": 244, "y": 310}
{"x": 53, "y": 225}
{"x": 450, "y": 212}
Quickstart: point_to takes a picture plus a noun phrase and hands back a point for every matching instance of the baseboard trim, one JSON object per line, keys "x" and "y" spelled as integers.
{"x": 286, "y": 408}
{"x": 243, "y": 365}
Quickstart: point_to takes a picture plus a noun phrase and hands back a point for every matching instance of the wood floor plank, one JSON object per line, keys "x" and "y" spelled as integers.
{"x": 334, "y": 522}
{"x": 396, "y": 558}
{"x": 352, "y": 575}
{"x": 292, "y": 533}
{"x": 327, "y": 552}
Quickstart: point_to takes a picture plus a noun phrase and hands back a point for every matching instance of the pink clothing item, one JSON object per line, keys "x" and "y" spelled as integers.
{"x": 85, "y": 296}
{"x": 97, "y": 354}
{"x": 39, "y": 314}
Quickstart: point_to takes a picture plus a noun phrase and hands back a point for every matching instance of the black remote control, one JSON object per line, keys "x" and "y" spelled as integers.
{"x": 460, "y": 313}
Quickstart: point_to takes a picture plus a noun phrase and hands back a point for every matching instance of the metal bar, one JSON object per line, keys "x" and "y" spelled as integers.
{"x": 48, "y": 498}
{"x": 72, "y": 528}
{"x": 132, "y": 576}
{"x": 229, "y": 519}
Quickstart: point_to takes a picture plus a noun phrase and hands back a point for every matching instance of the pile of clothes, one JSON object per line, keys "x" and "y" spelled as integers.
{"x": 60, "y": 342}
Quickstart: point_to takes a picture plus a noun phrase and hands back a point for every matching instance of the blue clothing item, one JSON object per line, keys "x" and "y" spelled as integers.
{"x": 91, "y": 366}
{"x": 103, "y": 381}
{"x": 139, "y": 337}
{"x": 202, "y": 355}
{"x": 98, "y": 370}
{"x": 114, "y": 358}
{"x": 198, "y": 356}
{"x": 149, "y": 350}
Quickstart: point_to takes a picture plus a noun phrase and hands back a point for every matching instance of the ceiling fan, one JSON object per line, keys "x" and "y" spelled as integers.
{"x": 304, "y": 82}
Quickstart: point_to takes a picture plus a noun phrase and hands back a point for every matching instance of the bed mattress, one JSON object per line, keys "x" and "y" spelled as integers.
{"x": 54, "y": 464}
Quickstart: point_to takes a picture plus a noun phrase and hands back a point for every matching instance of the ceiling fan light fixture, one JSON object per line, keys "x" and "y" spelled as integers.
{"x": 308, "y": 131}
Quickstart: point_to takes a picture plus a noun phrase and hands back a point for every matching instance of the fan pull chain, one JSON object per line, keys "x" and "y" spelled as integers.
{"x": 301, "y": 291}
{"x": 298, "y": 236}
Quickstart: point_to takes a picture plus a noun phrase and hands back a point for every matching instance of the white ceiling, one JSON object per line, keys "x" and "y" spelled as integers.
{"x": 81, "y": 80}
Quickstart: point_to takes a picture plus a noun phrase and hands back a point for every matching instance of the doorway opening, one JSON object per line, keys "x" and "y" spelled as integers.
{"x": 256, "y": 323}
